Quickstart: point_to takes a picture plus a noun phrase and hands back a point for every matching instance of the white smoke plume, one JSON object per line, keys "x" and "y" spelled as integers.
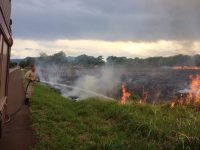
{"x": 102, "y": 82}
{"x": 105, "y": 83}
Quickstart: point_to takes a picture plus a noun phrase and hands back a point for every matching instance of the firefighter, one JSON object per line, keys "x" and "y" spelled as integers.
{"x": 30, "y": 78}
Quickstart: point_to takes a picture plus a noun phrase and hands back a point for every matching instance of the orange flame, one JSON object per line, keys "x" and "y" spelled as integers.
{"x": 195, "y": 90}
{"x": 193, "y": 96}
{"x": 125, "y": 94}
{"x": 173, "y": 104}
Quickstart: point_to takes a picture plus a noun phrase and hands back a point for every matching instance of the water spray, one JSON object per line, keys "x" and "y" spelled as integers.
{"x": 77, "y": 88}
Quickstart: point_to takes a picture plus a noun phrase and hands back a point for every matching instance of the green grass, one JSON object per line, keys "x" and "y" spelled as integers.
{"x": 61, "y": 124}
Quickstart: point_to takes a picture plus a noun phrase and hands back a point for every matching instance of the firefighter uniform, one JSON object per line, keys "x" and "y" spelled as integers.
{"x": 30, "y": 76}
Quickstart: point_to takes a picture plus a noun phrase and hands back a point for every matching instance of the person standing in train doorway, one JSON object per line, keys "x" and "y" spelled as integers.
{"x": 30, "y": 78}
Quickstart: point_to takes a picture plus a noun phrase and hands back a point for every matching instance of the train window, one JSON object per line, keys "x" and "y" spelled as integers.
{"x": 4, "y": 69}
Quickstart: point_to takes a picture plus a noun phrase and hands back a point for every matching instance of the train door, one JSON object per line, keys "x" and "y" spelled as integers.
{"x": 4, "y": 54}
{"x": 4, "y": 69}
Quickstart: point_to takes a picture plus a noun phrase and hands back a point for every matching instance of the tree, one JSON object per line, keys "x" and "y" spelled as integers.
{"x": 87, "y": 61}
{"x": 13, "y": 64}
{"x": 117, "y": 60}
{"x": 27, "y": 62}
{"x": 23, "y": 64}
{"x": 43, "y": 55}
{"x": 100, "y": 60}
{"x": 59, "y": 58}
{"x": 30, "y": 61}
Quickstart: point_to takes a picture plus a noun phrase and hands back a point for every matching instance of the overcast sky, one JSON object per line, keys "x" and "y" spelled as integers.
{"x": 132, "y": 28}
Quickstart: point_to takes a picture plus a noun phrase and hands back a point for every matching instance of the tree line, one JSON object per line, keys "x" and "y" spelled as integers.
{"x": 91, "y": 61}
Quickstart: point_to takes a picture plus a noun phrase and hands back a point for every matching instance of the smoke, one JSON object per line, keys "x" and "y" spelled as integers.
{"x": 80, "y": 83}
{"x": 105, "y": 82}
{"x": 76, "y": 82}
{"x": 49, "y": 73}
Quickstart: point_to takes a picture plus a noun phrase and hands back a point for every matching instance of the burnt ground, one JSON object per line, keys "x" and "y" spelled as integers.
{"x": 18, "y": 133}
{"x": 161, "y": 84}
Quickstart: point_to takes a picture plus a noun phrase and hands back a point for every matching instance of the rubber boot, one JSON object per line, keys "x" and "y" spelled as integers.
{"x": 27, "y": 101}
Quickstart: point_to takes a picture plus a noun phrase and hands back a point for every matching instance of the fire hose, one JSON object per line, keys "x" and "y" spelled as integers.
{"x": 20, "y": 107}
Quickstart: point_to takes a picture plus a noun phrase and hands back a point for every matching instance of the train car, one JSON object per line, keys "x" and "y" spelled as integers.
{"x": 5, "y": 49}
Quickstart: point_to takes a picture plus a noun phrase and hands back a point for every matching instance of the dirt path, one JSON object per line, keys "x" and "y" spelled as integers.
{"x": 18, "y": 134}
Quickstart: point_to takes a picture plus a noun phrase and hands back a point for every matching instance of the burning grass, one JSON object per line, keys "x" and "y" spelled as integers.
{"x": 191, "y": 96}
{"x": 125, "y": 94}
{"x": 96, "y": 124}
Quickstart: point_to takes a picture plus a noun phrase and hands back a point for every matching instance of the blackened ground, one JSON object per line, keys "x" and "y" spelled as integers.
{"x": 161, "y": 85}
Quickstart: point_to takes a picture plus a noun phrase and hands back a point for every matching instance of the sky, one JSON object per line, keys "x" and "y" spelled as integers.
{"x": 131, "y": 28}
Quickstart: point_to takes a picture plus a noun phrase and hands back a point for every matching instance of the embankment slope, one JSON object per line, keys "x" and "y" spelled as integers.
{"x": 97, "y": 124}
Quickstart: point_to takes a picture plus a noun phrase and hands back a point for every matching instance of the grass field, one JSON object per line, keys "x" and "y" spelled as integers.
{"x": 61, "y": 124}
